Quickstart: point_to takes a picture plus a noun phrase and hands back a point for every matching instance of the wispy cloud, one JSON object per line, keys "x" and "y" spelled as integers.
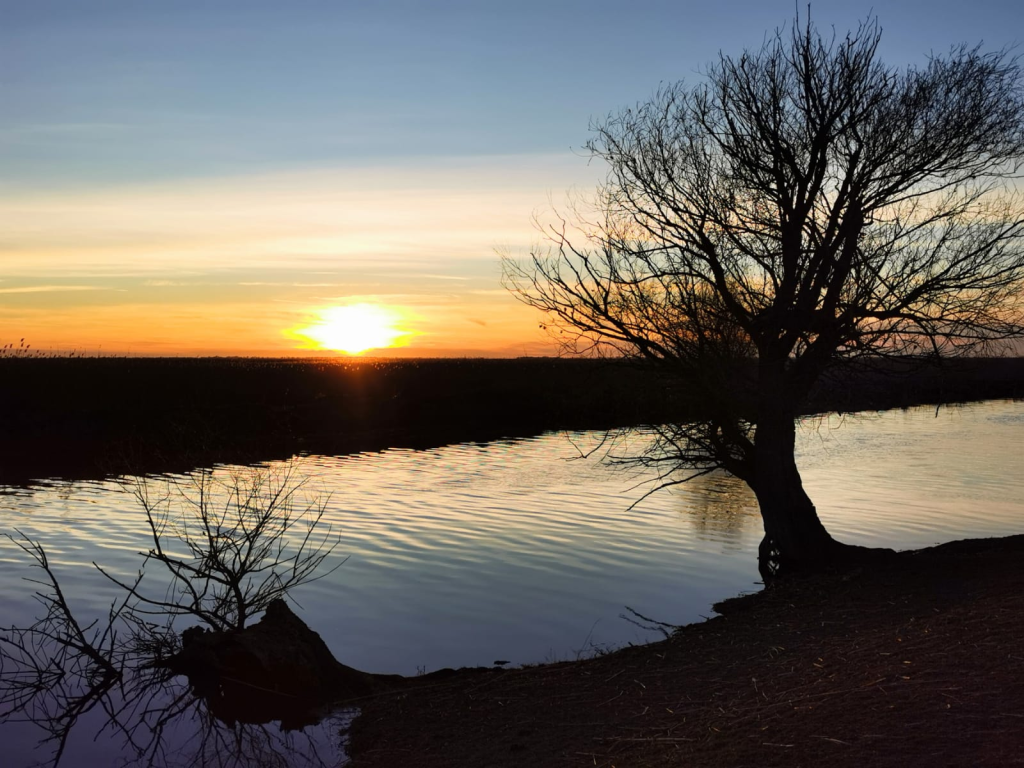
{"x": 249, "y": 257}
{"x": 48, "y": 133}
{"x": 165, "y": 283}
{"x": 433, "y": 277}
{"x": 52, "y": 288}
{"x": 287, "y": 284}
{"x": 390, "y": 217}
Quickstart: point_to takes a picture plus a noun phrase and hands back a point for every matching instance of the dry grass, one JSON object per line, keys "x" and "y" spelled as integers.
{"x": 921, "y": 663}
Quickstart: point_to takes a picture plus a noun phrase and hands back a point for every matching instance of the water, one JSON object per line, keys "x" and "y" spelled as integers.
{"x": 518, "y": 551}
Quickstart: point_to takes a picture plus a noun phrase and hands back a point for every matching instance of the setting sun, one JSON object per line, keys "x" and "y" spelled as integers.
{"x": 355, "y": 329}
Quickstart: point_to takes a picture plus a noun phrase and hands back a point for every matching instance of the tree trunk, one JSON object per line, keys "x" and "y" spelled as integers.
{"x": 794, "y": 536}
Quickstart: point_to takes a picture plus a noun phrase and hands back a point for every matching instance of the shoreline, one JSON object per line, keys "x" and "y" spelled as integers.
{"x": 916, "y": 662}
{"x": 89, "y": 419}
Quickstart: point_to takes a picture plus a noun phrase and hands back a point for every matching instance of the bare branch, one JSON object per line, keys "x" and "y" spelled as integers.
{"x": 804, "y": 206}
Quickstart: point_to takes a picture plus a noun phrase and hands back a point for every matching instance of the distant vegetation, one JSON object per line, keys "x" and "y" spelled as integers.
{"x": 87, "y": 417}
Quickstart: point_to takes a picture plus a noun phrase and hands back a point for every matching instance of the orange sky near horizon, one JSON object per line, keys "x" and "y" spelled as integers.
{"x": 240, "y": 265}
{"x": 197, "y": 178}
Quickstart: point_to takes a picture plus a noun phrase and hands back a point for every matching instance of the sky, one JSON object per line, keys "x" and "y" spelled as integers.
{"x": 233, "y": 178}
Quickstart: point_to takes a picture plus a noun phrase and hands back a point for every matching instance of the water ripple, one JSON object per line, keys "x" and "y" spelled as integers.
{"x": 522, "y": 550}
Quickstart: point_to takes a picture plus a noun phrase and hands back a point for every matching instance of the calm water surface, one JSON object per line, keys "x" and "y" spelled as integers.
{"x": 518, "y": 551}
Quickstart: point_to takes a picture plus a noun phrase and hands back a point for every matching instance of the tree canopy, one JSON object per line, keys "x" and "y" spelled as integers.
{"x": 805, "y": 204}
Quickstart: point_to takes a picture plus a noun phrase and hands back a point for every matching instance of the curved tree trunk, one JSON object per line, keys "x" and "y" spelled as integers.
{"x": 794, "y": 536}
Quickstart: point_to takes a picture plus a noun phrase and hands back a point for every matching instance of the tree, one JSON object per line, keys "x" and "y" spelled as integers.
{"x": 231, "y": 546}
{"x": 227, "y": 546}
{"x": 805, "y": 206}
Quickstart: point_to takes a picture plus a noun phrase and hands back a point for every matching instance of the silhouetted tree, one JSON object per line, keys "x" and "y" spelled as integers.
{"x": 225, "y": 547}
{"x": 231, "y": 546}
{"x": 805, "y": 205}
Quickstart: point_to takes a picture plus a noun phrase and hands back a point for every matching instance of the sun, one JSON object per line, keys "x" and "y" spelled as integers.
{"x": 355, "y": 328}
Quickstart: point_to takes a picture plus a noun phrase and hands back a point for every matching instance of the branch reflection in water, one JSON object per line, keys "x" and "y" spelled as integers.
{"x": 719, "y": 506}
{"x": 227, "y": 549}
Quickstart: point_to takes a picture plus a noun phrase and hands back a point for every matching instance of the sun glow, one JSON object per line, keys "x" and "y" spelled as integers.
{"x": 356, "y": 328}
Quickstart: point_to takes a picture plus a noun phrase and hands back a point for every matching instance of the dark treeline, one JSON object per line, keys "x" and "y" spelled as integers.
{"x": 79, "y": 418}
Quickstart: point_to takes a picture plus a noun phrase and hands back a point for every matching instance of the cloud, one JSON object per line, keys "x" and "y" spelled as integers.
{"x": 255, "y": 255}
{"x": 287, "y": 284}
{"x": 400, "y": 217}
{"x": 62, "y": 130}
{"x": 52, "y": 288}
{"x": 434, "y": 277}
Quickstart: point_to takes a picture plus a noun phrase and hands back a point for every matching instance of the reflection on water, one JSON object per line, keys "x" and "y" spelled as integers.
{"x": 166, "y": 691}
{"x": 167, "y": 725}
{"x": 721, "y": 508}
{"x": 514, "y": 550}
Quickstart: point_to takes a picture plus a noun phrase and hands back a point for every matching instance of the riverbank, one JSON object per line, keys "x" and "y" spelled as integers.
{"x": 920, "y": 662}
{"x": 94, "y": 417}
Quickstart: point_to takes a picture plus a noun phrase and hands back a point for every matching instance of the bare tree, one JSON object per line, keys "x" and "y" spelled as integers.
{"x": 225, "y": 547}
{"x": 804, "y": 206}
{"x": 231, "y": 546}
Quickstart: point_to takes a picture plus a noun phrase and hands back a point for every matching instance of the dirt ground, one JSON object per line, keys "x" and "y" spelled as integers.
{"x": 920, "y": 662}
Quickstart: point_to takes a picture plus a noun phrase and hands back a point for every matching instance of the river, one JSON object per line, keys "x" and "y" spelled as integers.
{"x": 525, "y": 551}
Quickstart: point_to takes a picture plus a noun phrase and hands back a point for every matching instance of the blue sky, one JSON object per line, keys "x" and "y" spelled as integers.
{"x": 114, "y": 91}
{"x": 194, "y": 118}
